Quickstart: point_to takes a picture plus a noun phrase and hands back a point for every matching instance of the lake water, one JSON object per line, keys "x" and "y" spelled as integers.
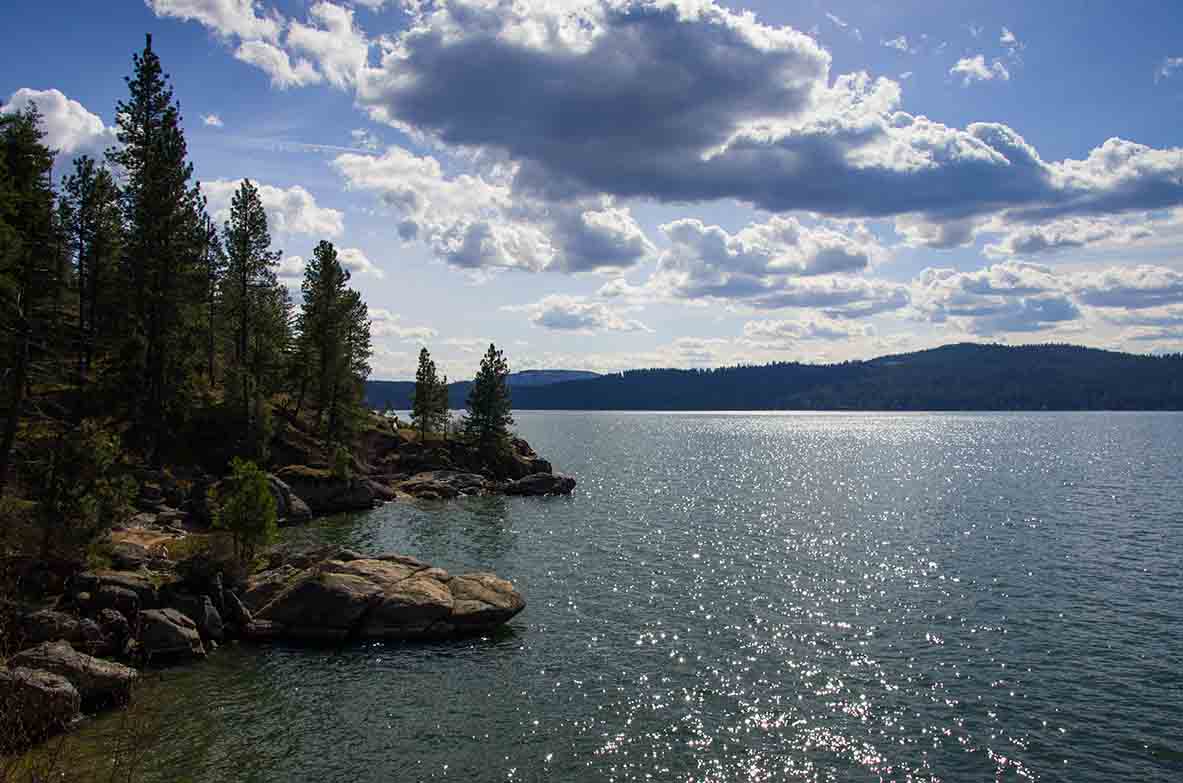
{"x": 833, "y": 597}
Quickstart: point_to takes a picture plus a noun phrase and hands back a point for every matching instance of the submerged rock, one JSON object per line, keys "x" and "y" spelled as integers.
{"x": 392, "y": 597}
{"x": 98, "y": 682}
{"x": 541, "y": 484}
{"x": 34, "y": 704}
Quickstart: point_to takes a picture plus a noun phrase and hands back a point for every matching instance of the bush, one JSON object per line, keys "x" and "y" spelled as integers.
{"x": 247, "y": 509}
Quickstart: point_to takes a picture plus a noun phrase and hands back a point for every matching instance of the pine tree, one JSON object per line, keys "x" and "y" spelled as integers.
{"x": 333, "y": 345}
{"x": 425, "y": 400}
{"x": 164, "y": 216}
{"x": 488, "y": 419}
{"x": 213, "y": 261}
{"x": 28, "y": 263}
{"x": 441, "y": 409}
{"x": 91, "y": 207}
{"x": 256, "y": 309}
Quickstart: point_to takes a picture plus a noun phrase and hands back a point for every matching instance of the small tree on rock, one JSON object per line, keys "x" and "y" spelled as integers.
{"x": 488, "y": 419}
{"x": 247, "y": 509}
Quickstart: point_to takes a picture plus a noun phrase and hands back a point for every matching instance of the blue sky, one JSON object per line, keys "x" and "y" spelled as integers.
{"x": 606, "y": 184}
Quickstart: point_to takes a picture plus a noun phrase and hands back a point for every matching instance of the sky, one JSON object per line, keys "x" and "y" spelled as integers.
{"x": 614, "y": 184}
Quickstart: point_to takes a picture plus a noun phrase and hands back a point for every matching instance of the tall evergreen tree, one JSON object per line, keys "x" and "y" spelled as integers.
{"x": 28, "y": 262}
{"x": 93, "y": 226}
{"x": 163, "y": 215}
{"x": 333, "y": 346}
{"x": 214, "y": 263}
{"x": 256, "y": 308}
{"x": 489, "y": 405}
{"x": 425, "y": 400}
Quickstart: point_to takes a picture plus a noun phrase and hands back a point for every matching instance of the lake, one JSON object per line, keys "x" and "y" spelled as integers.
{"x": 750, "y": 597}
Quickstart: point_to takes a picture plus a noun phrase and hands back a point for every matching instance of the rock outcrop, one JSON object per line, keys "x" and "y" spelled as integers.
{"x": 326, "y": 494}
{"x": 34, "y": 705}
{"x": 389, "y": 597}
{"x": 99, "y": 683}
{"x": 541, "y": 484}
{"x": 167, "y": 634}
{"x": 289, "y": 506}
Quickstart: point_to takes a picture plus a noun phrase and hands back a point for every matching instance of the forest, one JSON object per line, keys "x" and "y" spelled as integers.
{"x": 964, "y": 376}
{"x": 135, "y": 334}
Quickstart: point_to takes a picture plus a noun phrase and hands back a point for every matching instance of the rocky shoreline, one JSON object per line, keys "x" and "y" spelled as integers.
{"x": 79, "y": 653}
{"x": 82, "y": 635}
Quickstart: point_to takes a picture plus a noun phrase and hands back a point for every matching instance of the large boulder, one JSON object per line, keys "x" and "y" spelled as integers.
{"x": 168, "y": 634}
{"x": 98, "y": 682}
{"x": 142, "y": 586}
{"x": 325, "y": 493}
{"x": 201, "y": 610}
{"x": 264, "y": 586}
{"x": 33, "y": 705}
{"x": 289, "y": 507}
{"x": 436, "y": 484}
{"x": 48, "y": 625}
{"x": 392, "y": 597}
{"x": 541, "y": 484}
{"x": 108, "y": 596}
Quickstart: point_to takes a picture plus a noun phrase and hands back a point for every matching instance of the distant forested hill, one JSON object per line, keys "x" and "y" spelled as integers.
{"x": 954, "y": 377}
{"x": 397, "y": 394}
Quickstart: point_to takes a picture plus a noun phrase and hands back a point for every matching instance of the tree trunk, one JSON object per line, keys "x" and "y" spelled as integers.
{"x": 17, "y": 401}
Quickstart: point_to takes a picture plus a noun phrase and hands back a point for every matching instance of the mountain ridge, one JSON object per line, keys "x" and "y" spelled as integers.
{"x": 958, "y": 376}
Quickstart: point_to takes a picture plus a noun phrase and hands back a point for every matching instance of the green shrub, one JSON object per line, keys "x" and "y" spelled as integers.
{"x": 246, "y": 509}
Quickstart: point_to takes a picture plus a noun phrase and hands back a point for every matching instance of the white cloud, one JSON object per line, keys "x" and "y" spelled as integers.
{"x": 1007, "y": 39}
{"x": 337, "y": 46}
{"x": 384, "y": 323}
{"x": 758, "y": 262}
{"x": 355, "y": 261}
{"x": 367, "y": 140}
{"x": 1133, "y": 287}
{"x": 836, "y": 20}
{"x": 905, "y": 76}
{"x": 1168, "y": 67}
{"x": 277, "y": 64}
{"x": 69, "y": 127}
{"x": 1007, "y": 297}
{"x": 228, "y": 18}
{"x": 577, "y": 314}
{"x": 785, "y": 334}
{"x": 212, "y": 120}
{"x": 289, "y": 210}
{"x": 476, "y": 223}
{"x": 974, "y": 69}
{"x": 899, "y": 43}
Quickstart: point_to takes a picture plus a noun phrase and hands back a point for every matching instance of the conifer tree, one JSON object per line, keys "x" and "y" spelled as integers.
{"x": 256, "y": 309}
{"x": 27, "y": 263}
{"x": 488, "y": 419}
{"x": 214, "y": 263}
{"x": 333, "y": 346}
{"x": 441, "y": 409}
{"x": 91, "y": 208}
{"x": 425, "y": 400}
{"x": 164, "y": 220}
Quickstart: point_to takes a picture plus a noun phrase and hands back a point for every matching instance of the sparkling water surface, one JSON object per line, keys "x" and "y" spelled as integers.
{"x": 738, "y": 597}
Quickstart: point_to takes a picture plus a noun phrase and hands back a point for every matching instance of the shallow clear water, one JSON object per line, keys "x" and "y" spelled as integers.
{"x": 841, "y": 597}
